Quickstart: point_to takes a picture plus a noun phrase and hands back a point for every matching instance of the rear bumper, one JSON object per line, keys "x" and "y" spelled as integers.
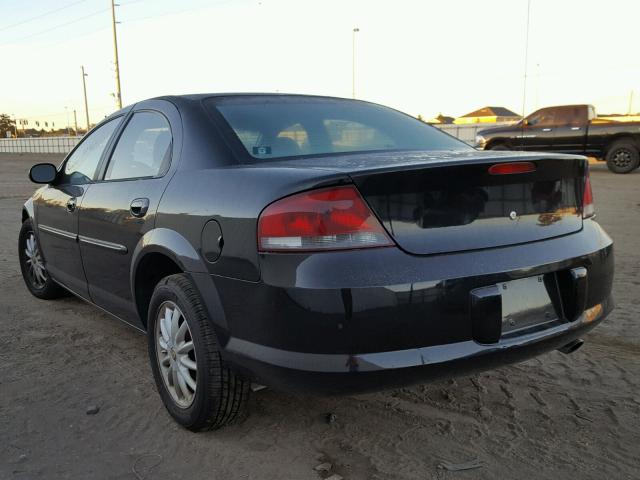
{"x": 372, "y": 319}
{"x": 342, "y": 373}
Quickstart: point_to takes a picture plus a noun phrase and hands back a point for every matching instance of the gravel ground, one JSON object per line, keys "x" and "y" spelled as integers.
{"x": 557, "y": 416}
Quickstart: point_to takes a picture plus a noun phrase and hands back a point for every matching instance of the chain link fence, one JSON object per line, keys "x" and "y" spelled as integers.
{"x": 38, "y": 144}
{"x": 466, "y": 133}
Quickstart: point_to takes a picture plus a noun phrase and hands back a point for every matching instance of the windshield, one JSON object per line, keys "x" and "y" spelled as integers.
{"x": 271, "y": 127}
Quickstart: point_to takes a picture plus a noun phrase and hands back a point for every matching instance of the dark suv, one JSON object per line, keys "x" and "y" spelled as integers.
{"x": 314, "y": 243}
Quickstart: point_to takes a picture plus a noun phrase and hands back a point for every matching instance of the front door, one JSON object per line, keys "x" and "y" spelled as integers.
{"x": 538, "y": 131}
{"x": 57, "y": 206}
{"x": 120, "y": 208}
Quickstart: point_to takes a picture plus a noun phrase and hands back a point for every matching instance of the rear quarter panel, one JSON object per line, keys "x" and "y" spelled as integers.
{"x": 234, "y": 197}
{"x": 601, "y": 135}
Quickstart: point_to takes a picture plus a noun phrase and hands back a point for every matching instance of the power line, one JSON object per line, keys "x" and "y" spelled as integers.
{"x": 125, "y": 21}
{"x": 57, "y": 26}
{"x": 7, "y": 27}
{"x": 174, "y": 12}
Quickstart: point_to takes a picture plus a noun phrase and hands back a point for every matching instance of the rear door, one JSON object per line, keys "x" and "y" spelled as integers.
{"x": 538, "y": 131}
{"x": 57, "y": 206}
{"x": 121, "y": 206}
{"x": 571, "y": 130}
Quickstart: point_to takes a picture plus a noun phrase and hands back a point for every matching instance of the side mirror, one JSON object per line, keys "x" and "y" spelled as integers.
{"x": 43, "y": 173}
{"x": 525, "y": 122}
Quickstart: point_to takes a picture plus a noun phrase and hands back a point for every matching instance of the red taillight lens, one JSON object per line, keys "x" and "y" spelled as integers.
{"x": 510, "y": 168}
{"x": 588, "y": 209}
{"x": 325, "y": 219}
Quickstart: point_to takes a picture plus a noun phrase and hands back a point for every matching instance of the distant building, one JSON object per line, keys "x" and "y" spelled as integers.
{"x": 440, "y": 119}
{"x": 488, "y": 115}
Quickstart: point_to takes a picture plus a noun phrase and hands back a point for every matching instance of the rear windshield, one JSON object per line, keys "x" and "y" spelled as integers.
{"x": 276, "y": 127}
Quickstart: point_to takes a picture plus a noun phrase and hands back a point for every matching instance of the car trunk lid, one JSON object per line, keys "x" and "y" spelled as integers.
{"x": 440, "y": 208}
{"x": 434, "y": 202}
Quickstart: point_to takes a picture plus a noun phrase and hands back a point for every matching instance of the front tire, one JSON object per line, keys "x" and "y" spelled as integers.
{"x": 197, "y": 388}
{"x": 34, "y": 271}
{"x": 623, "y": 157}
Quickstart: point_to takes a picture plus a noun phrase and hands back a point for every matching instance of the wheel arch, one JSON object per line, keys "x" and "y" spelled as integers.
{"x": 152, "y": 267}
{"x": 162, "y": 252}
{"x": 491, "y": 143}
{"x": 27, "y": 210}
{"x": 618, "y": 137}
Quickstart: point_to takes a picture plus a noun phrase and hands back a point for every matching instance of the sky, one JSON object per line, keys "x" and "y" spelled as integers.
{"x": 420, "y": 56}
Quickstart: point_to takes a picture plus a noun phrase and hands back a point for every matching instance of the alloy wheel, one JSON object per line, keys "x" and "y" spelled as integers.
{"x": 33, "y": 258}
{"x": 622, "y": 158}
{"x": 176, "y": 354}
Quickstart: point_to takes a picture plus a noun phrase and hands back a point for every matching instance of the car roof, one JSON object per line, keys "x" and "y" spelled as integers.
{"x": 201, "y": 96}
{"x": 187, "y": 100}
{"x": 198, "y": 97}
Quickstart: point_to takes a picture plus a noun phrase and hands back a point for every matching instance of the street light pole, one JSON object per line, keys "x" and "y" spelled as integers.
{"x": 353, "y": 63}
{"x": 86, "y": 104}
{"x": 115, "y": 49}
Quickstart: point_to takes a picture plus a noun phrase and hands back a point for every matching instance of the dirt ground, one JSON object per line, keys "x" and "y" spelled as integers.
{"x": 557, "y": 416}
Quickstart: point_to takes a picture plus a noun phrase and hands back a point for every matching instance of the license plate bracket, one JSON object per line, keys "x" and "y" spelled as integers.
{"x": 526, "y": 304}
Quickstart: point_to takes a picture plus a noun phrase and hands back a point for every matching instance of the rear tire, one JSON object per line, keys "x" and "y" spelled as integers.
{"x": 32, "y": 265}
{"x": 623, "y": 157}
{"x": 197, "y": 388}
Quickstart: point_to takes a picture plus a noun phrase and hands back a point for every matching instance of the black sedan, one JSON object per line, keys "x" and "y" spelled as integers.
{"x": 314, "y": 243}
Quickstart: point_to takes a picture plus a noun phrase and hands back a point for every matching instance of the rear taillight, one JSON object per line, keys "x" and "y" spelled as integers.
{"x": 588, "y": 210}
{"x": 325, "y": 219}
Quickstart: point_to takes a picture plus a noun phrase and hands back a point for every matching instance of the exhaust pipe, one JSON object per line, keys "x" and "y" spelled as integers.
{"x": 571, "y": 346}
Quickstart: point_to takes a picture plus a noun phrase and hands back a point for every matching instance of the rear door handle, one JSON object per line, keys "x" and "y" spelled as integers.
{"x": 546, "y": 129}
{"x": 139, "y": 207}
{"x": 71, "y": 204}
{"x": 575, "y": 128}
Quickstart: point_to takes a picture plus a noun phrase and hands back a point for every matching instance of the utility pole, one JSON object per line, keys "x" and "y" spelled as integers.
{"x": 86, "y": 104}
{"x": 524, "y": 82}
{"x": 353, "y": 62}
{"x": 75, "y": 123}
{"x": 526, "y": 60}
{"x": 115, "y": 50}
{"x": 537, "y": 105}
{"x": 630, "y": 102}
{"x": 66, "y": 110}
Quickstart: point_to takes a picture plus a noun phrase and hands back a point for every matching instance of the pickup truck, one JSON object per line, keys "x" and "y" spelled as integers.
{"x": 570, "y": 129}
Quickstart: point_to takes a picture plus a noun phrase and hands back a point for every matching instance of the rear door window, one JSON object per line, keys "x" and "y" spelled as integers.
{"x": 571, "y": 116}
{"x": 143, "y": 150}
